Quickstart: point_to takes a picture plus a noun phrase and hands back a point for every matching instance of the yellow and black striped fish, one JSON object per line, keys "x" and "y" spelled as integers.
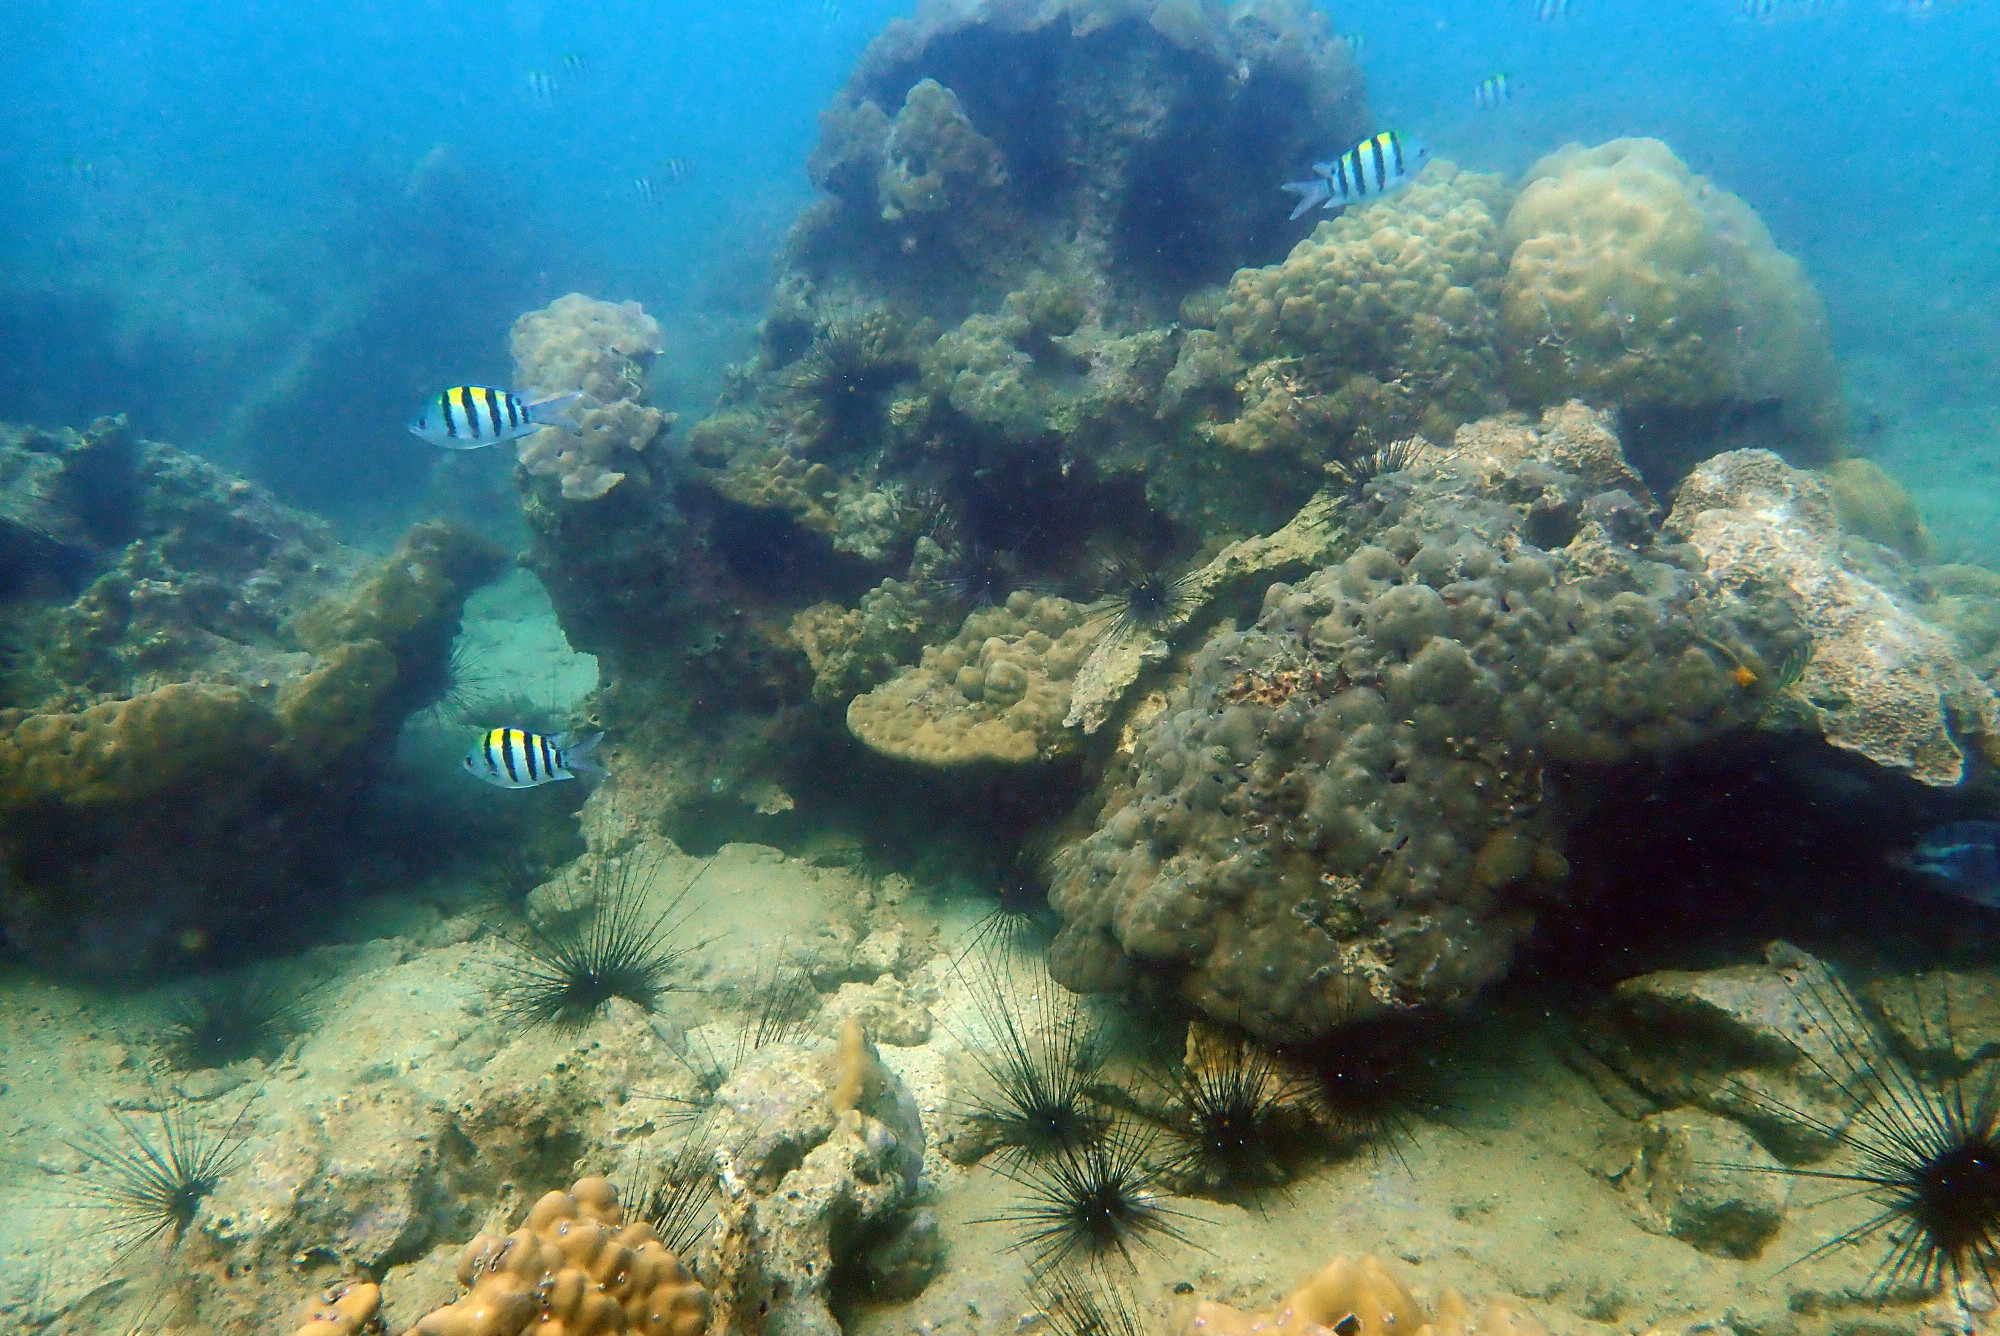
{"x": 1548, "y": 11}
{"x": 1492, "y": 91}
{"x": 466, "y": 417}
{"x": 514, "y": 758}
{"x": 1377, "y": 166}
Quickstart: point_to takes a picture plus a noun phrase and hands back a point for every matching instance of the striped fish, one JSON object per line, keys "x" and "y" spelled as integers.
{"x": 1379, "y": 165}
{"x": 514, "y": 758}
{"x": 466, "y": 417}
{"x": 1548, "y": 11}
{"x": 1492, "y": 91}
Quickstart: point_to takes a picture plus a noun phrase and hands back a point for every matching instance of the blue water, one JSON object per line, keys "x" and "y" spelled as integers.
{"x": 198, "y": 201}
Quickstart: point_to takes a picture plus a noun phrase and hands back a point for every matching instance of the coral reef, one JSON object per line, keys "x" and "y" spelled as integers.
{"x": 574, "y": 1265}
{"x": 1882, "y": 682}
{"x": 1363, "y": 1297}
{"x": 602, "y": 350}
{"x": 176, "y": 727}
{"x": 1139, "y": 138}
{"x": 997, "y": 693}
{"x": 1633, "y": 282}
{"x": 1379, "y": 324}
{"x": 1351, "y": 805}
{"x": 1873, "y": 505}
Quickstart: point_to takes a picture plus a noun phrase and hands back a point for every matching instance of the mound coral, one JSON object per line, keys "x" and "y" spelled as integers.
{"x": 1347, "y": 807}
{"x": 1381, "y": 321}
{"x": 1634, "y": 282}
{"x": 1361, "y": 1296}
{"x": 1882, "y": 682}
{"x": 346, "y": 1310}
{"x": 996, "y": 693}
{"x": 603, "y": 350}
{"x": 932, "y": 157}
{"x": 574, "y": 1266}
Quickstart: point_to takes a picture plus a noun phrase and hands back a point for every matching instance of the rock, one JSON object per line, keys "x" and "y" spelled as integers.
{"x": 1882, "y": 681}
{"x": 1757, "y": 1043}
{"x": 824, "y": 1155}
{"x": 885, "y": 1007}
{"x": 1704, "y": 1180}
{"x": 908, "y": 1260}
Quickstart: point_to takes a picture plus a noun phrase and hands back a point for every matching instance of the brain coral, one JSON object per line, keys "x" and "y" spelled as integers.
{"x": 1634, "y": 282}
{"x": 1348, "y": 804}
{"x": 1382, "y": 318}
{"x": 997, "y": 692}
{"x": 603, "y": 350}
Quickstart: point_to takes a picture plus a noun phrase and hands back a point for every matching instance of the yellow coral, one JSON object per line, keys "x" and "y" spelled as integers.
{"x": 997, "y": 693}
{"x": 603, "y": 350}
{"x": 343, "y": 1311}
{"x": 573, "y": 1268}
{"x": 426, "y": 579}
{"x": 1363, "y": 1297}
{"x": 1633, "y": 281}
{"x": 161, "y": 742}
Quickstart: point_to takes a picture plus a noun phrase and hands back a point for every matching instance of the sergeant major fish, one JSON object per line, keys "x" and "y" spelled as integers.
{"x": 1961, "y": 859}
{"x": 1377, "y": 166}
{"x": 1492, "y": 91}
{"x": 514, "y": 758}
{"x": 466, "y": 417}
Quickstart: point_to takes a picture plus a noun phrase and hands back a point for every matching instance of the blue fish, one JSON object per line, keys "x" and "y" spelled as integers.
{"x": 1962, "y": 859}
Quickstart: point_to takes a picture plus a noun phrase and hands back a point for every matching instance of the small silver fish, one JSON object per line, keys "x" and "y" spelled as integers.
{"x": 513, "y": 758}
{"x": 465, "y": 417}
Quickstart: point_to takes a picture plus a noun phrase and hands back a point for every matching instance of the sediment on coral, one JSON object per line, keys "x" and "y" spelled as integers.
{"x": 1356, "y": 801}
{"x": 1634, "y": 283}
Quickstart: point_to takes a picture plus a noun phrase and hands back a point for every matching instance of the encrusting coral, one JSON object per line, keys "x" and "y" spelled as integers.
{"x": 1361, "y": 1296}
{"x": 603, "y": 350}
{"x": 1633, "y": 282}
{"x": 1882, "y": 681}
{"x": 996, "y": 693}
{"x": 1347, "y": 806}
{"x": 573, "y": 1268}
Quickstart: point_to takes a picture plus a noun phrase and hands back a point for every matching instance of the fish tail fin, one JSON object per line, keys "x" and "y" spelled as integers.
{"x": 549, "y": 411}
{"x": 1309, "y": 193}
{"x": 576, "y": 755}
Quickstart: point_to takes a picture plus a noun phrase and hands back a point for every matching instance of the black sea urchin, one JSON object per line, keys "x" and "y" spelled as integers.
{"x": 1043, "y": 1057}
{"x": 571, "y": 970}
{"x": 1131, "y": 595}
{"x": 842, "y": 380}
{"x": 1925, "y": 1151}
{"x": 220, "y": 1022}
{"x": 148, "y": 1184}
{"x": 1370, "y": 1081}
{"x": 970, "y": 574}
{"x": 1020, "y": 905}
{"x": 1354, "y": 471}
{"x": 1228, "y": 1120}
{"x": 1074, "y": 1305}
{"x": 1089, "y": 1203}
{"x": 677, "y": 1196}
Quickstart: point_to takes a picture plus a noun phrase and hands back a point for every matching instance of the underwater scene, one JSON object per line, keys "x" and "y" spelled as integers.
{"x": 1016, "y": 667}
